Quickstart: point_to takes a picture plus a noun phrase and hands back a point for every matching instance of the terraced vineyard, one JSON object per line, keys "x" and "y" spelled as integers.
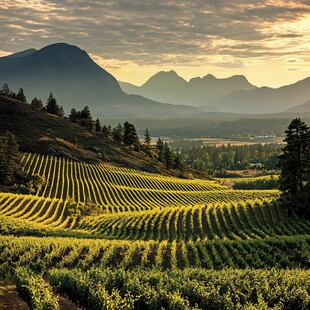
{"x": 144, "y": 221}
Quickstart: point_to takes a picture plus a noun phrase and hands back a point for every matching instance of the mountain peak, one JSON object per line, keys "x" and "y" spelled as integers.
{"x": 161, "y": 78}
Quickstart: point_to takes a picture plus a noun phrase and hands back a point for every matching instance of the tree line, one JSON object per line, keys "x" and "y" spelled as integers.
{"x": 218, "y": 158}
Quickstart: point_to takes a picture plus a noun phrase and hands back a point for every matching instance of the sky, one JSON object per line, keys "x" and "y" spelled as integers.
{"x": 267, "y": 41}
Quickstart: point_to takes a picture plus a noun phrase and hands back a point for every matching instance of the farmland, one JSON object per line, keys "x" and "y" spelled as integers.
{"x": 130, "y": 239}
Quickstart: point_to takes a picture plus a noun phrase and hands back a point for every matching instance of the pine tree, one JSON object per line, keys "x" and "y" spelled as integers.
{"x": 168, "y": 156}
{"x": 160, "y": 148}
{"x": 36, "y": 103}
{"x": 106, "y": 131}
{"x": 9, "y": 157}
{"x": 98, "y": 125}
{"x": 73, "y": 116}
{"x": 295, "y": 165}
{"x": 130, "y": 135}
{"x": 147, "y": 138}
{"x": 5, "y": 91}
{"x": 21, "y": 95}
{"x": 118, "y": 133}
{"x": 60, "y": 111}
{"x": 51, "y": 105}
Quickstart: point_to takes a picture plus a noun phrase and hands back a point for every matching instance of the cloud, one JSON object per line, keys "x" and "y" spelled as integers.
{"x": 151, "y": 32}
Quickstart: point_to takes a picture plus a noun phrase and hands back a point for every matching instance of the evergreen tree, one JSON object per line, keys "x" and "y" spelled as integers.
{"x": 36, "y": 103}
{"x": 60, "y": 111}
{"x": 85, "y": 113}
{"x": 73, "y": 116}
{"x": 160, "y": 148}
{"x": 5, "y": 91}
{"x": 21, "y": 95}
{"x": 295, "y": 165}
{"x": 118, "y": 133}
{"x": 147, "y": 138}
{"x": 130, "y": 135}
{"x": 98, "y": 125}
{"x": 51, "y": 105}
{"x": 86, "y": 120}
{"x": 106, "y": 131}
{"x": 168, "y": 156}
{"x": 9, "y": 157}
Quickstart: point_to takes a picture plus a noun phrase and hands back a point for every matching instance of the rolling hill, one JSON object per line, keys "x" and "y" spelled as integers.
{"x": 76, "y": 81}
{"x": 303, "y": 108}
{"x": 39, "y": 132}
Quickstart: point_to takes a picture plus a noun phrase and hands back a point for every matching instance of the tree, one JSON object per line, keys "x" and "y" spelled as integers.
{"x": 106, "y": 131}
{"x": 9, "y": 157}
{"x": 168, "y": 156}
{"x": 51, "y": 105}
{"x": 97, "y": 125}
{"x": 295, "y": 165}
{"x": 21, "y": 95}
{"x": 147, "y": 138}
{"x": 73, "y": 116}
{"x": 5, "y": 91}
{"x": 130, "y": 135}
{"x": 160, "y": 148}
{"x": 60, "y": 111}
{"x": 118, "y": 133}
{"x": 36, "y": 103}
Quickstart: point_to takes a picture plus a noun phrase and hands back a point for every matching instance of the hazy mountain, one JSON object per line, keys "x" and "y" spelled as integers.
{"x": 234, "y": 94}
{"x": 170, "y": 87}
{"x": 267, "y": 100}
{"x": 303, "y": 108}
{"x": 76, "y": 80}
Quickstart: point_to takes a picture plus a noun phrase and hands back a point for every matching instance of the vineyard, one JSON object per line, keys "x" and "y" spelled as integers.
{"x": 109, "y": 237}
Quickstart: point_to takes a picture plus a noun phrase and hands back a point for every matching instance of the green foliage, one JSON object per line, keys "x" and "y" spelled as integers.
{"x": 5, "y": 91}
{"x": 168, "y": 156}
{"x": 37, "y": 293}
{"x": 9, "y": 157}
{"x": 29, "y": 184}
{"x": 21, "y": 95}
{"x": 98, "y": 125}
{"x": 130, "y": 137}
{"x": 187, "y": 289}
{"x": 118, "y": 133}
{"x": 147, "y": 138}
{"x": 52, "y": 107}
{"x": 83, "y": 118}
{"x": 259, "y": 183}
{"x": 37, "y": 103}
{"x": 295, "y": 167}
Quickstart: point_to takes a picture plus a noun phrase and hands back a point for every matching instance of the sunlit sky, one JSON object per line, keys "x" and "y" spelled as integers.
{"x": 267, "y": 41}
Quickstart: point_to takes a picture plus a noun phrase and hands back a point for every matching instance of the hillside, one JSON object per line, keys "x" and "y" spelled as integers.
{"x": 39, "y": 132}
{"x": 76, "y": 80}
{"x": 97, "y": 228}
{"x": 303, "y": 108}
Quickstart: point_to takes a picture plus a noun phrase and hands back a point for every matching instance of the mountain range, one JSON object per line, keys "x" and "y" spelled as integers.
{"x": 234, "y": 94}
{"x": 76, "y": 81}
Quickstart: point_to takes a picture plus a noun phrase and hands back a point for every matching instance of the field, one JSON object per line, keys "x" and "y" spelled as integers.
{"x": 107, "y": 237}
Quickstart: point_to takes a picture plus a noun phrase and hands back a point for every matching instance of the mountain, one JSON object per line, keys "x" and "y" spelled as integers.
{"x": 267, "y": 100}
{"x": 234, "y": 94}
{"x": 303, "y": 108}
{"x": 76, "y": 80}
{"x": 170, "y": 87}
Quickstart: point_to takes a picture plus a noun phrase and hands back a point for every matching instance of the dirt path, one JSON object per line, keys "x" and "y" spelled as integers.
{"x": 9, "y": 299}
